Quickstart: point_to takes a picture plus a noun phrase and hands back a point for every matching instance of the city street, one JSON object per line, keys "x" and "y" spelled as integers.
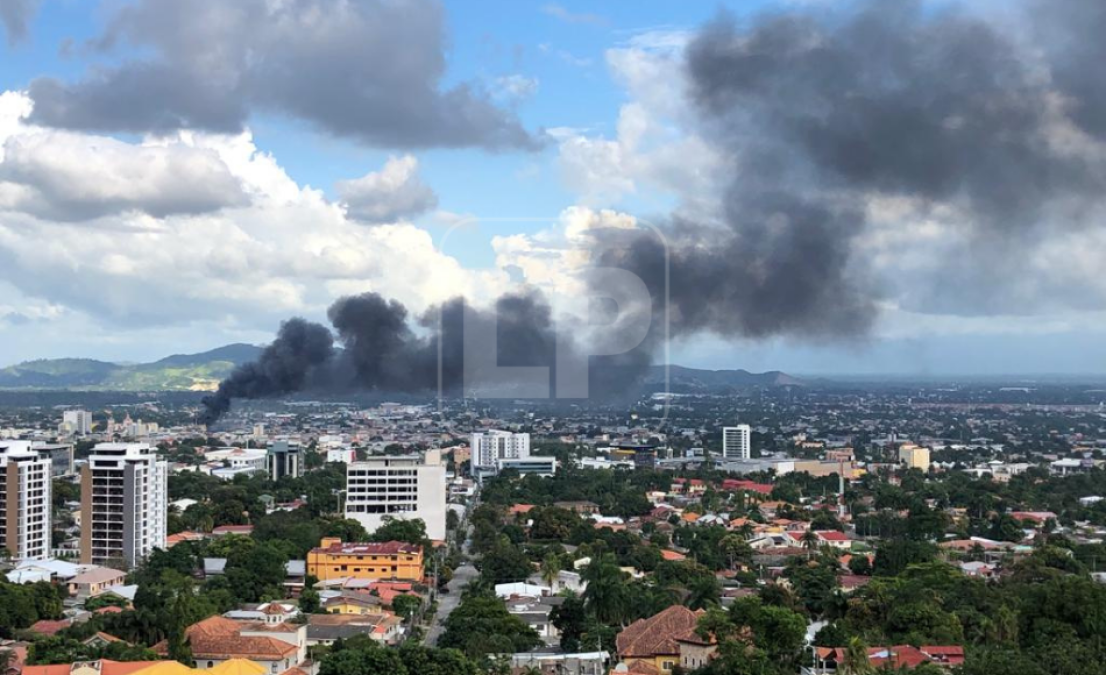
{"x": 447, "y": 602}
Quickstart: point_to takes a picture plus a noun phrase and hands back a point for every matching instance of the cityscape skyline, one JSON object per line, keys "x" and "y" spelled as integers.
{"x": 201, "y": 253}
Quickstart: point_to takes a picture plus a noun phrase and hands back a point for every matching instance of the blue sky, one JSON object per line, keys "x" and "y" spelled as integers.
{"x": 600, "y": 85}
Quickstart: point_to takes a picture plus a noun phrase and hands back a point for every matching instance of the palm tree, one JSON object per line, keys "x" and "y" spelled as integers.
{"x": 606, "y": 594}
{"x": 734, "y": 547}
{"x": 703, "y": 592}
{"x": 810, "y": 540}
{"x": 855, "y": 660}
{"x": 550, "y": 568}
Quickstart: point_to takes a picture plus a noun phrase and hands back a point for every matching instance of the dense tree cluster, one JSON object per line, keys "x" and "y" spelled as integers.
{"x": 23, "y": 605}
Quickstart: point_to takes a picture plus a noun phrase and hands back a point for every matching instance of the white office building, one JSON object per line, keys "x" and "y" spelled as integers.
{"x": 405, "y": 487}
{"x": 25, "y": 504}
{"x": 488, "y": 448}
{"x": 737, "y": 442}
{"x": 537, "y": 465}
{"x": 124, "y": 493}
{"x": 343, "y": 455}
{"x": 77, "y": 422}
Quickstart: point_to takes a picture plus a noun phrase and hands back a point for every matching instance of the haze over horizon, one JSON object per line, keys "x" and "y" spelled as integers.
{"x": 933, "y": 225}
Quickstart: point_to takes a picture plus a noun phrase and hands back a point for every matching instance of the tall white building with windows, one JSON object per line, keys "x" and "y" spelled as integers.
{"x": 404, "y": 487}
{"x": 77, "y": 422}
{"x": 25, "y": 503}
{"x": 488, "y": 448}
{"x": 124, "y": 503}
{"x": 737, "y": 442}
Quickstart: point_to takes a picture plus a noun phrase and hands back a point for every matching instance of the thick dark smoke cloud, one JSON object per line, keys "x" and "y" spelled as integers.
{"x": 815, "y": 115}
{"x": 383, "y": 348}
{"x": 284, "y": 367}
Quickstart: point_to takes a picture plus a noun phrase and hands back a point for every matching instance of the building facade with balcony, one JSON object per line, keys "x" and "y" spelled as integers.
{"x": 124, "y": 503}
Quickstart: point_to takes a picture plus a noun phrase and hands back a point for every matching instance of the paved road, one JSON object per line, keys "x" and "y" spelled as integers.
{"x": 447, "y": 602}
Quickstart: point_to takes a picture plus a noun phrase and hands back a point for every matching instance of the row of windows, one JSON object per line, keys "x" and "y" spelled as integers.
{"x": 380, "y": 508}
{"x": 383, "y": 570}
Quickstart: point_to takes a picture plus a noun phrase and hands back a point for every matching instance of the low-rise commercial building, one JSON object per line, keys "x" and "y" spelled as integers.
{"x": 333, "y": 559}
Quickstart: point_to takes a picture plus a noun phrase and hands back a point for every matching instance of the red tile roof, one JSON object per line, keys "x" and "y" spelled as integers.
{"x": 901, "y": 656}
{"x": 747, "y": 485}
{"x": 657, "y": 635}
{"x": 47, "y": 627}
{"x": 218, "y": 638}
{"x": 952, "y": 655}
{"x": 233, "y": 529}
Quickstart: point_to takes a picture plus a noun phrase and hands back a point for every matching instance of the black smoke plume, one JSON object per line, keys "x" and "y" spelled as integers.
{"x": 818, "y": 115}
{"x": 383, "y": 348}
{"x": 283, "y": 367}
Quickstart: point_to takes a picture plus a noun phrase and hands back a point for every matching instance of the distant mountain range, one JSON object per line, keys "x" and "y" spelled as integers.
{"x": 691, "y": 380}
{"x": 203, "y": 371}
{"x": 180, "y": 372}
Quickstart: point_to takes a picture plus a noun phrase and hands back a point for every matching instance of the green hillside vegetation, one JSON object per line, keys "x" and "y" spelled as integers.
{"x": 181, "y": 372}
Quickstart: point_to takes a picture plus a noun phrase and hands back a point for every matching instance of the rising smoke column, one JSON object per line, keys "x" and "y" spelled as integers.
{"x": 283, "y": 367}
{"x": 820, "y": 117}
{"x": 385, "y": 349}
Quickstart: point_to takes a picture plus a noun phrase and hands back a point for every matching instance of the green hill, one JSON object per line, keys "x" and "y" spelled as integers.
{"x": 180, "y": 372}
{"x": 203, "y": 371}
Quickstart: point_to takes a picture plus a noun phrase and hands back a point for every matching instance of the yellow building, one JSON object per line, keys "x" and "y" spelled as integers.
{"x": 914, "y": 457}
{"x": 334, "y": 559}
{"x": 109, "y": 667}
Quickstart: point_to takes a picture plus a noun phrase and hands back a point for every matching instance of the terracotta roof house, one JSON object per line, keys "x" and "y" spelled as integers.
{"x": 731, "y": 484}
{"x": 833, "y": 538}
{"x": 174, "y": 539}
{"x": 894, "y": 658}
{"x": 851, "y": 582}
{"x": 95, "y": 581}
{"x": 218, "y": 639}
{"x": 659, "y": 640}
{"x": 49, "y": 628}
{"x": 232, "y": 529}
{"x": 101, "y": 639}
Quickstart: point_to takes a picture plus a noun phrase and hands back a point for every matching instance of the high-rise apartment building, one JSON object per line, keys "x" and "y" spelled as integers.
{"x": 124, "y": 491}
{"x": 737, "y": 442}
{"x": 488, "y": 448}
{"x": 25, "y": 505}
{"x": 77, "y": 422}
{"x": 284, "y": 460}
{"x": 405, "y": 487}
{"x": 914, "y": 456}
